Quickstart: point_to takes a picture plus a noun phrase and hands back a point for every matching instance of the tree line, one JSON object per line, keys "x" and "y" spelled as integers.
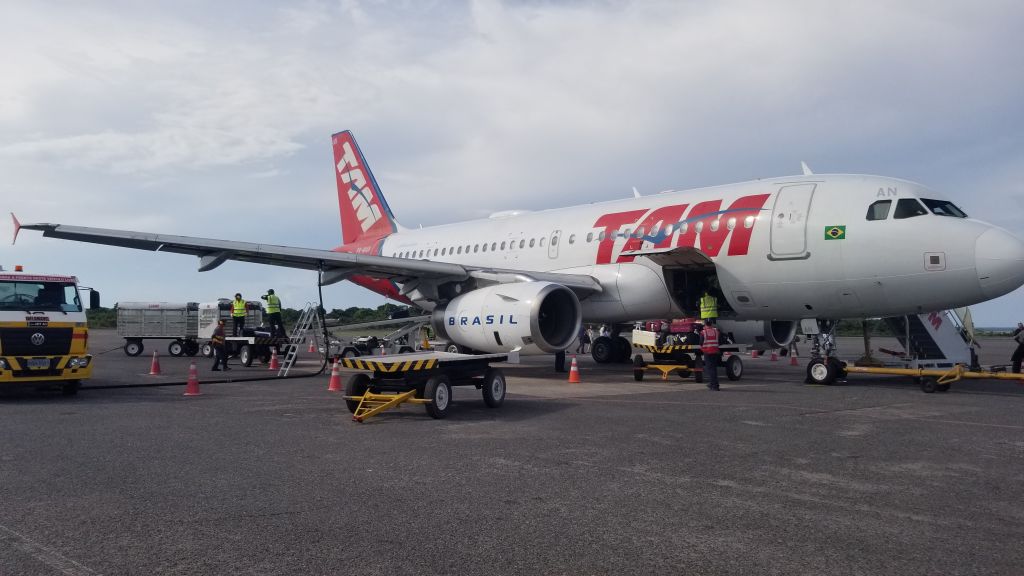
{"x": 107, "y": 317}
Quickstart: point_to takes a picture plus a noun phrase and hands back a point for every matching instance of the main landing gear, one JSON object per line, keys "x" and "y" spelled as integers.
{"x": 611, "y": 349}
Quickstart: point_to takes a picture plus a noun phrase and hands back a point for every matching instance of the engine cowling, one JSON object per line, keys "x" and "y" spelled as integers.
{"x": 760, "y": 334}
{"x": 537, "y": 317}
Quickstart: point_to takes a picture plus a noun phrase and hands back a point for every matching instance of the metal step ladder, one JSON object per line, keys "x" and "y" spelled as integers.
{"x": 934, "y": 339}
{"x": 309, "y": 325}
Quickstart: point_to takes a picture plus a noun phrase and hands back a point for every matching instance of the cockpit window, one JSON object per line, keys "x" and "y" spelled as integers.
{"x": 879, "y": 210}
{"x": 944, "y": 208}
{"x": 908, "y": 208}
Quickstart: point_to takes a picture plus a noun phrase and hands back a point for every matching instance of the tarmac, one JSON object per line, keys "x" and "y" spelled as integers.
{"x": 609, "y": 476}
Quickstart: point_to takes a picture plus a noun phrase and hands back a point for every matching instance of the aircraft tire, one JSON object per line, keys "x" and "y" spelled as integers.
{"x": 439, "y": 391}
{"x": 820, "y": 372}
{"x": 356, "y": 385}
{"x": 494, "y": 387}
{"x": 622, "y": 349}
{"x": 602, "y": 349}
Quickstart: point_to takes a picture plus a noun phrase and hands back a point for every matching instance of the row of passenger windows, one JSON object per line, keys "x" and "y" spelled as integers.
{"x": 910, "y": 207}
{"x": 640, "y": 232}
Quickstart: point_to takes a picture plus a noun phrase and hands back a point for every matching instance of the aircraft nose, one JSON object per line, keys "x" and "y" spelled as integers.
{"x": 999, "y": 259}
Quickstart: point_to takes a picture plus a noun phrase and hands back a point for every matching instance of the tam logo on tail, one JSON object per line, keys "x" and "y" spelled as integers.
{"x": 364, "y": 212}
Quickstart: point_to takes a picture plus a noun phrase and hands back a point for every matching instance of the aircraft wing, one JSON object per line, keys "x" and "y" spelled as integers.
{"x": 335, "y": 266}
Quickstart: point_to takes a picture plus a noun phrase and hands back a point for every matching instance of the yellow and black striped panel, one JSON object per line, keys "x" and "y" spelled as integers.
{"x": 390, "y": 367}
{"x": 667, "y": 349}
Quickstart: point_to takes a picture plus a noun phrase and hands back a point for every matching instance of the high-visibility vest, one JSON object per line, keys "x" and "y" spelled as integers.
{"x": 710, "y": 340}
{"x": 273, "y": 304}
{"x": 708, "y": 306}
{"x": 238, "y": 308}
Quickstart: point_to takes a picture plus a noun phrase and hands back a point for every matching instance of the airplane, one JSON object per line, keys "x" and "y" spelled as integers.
{"x": 778, "y": 251}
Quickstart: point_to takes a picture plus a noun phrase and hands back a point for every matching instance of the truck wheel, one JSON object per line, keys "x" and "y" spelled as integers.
{"x": 176, "y": 348}
{"x": 494, "y": 387}
{"x": 350, "y": 353}
{"x": 602, "y": 349}
{"x": 133, "y": 347}
{"x": 820, "y": 372}
{"x": 245, "y": 355}
{"x": 734, "y": 367}
{"x": 70, "y": 387}
{"x": 439, "y": 392}
{"x": 207, "y": 350}
{"x": 356, "y": 385}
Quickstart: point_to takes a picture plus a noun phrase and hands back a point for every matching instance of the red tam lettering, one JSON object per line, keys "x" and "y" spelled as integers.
{"x": 611, "y": 223}
{"x": 712, "y": 240}
{"x": 667, "y": 215}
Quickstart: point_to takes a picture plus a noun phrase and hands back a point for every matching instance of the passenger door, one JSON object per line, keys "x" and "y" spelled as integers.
{"x": 789, "y": 222}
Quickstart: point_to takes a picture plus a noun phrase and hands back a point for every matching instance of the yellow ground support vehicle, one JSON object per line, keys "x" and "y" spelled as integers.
{"x": 43, "y": 332}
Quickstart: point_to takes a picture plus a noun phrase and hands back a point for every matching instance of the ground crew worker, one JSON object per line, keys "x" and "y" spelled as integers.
{"x": 220, "y": 355}
{"x": 1018, "y": 354}
{"x": 238, "y": 315}
{"x": 708, "y": 305}
{"x": 274, "y": 313}
{"x": 709, "y": 348}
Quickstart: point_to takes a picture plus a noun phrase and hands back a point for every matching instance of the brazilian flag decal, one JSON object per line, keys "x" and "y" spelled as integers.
{"x": 835, "y": 232}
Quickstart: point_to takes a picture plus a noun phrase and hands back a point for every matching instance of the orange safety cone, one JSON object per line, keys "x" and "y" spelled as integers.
{"x": 154, "y": 367}
{"x": 792, "y": 358}
{"x": 335, "y": 384}
{"x": 192, "y": 388}
{"x": 311, "y": 348}
{"x": 274, "y": 364}
{"x": 574, "y": 372}
{"x": 775, "y": 356}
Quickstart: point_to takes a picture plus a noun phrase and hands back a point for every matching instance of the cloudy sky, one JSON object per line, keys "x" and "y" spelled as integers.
{"x": 214, "y": 119}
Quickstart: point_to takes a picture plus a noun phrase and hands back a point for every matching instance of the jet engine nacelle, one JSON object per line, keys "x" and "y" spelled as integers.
{"x": 760, "y": 334}
{"x": 537, "y": 317}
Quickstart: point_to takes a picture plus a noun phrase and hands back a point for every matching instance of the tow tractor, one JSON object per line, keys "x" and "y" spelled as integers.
{"x": 421, "y": 378}
{"x": 681, "y": 354}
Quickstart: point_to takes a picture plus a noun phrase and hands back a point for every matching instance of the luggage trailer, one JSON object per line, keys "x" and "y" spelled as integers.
{"x": 684, "y": 359}
{"x": 421, "y": 378}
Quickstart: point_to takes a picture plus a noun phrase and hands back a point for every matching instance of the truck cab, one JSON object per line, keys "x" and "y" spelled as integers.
{"x": 44, "y": 336}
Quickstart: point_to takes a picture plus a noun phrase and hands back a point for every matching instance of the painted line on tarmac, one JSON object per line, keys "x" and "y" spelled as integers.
{"x": 44, "y": 554}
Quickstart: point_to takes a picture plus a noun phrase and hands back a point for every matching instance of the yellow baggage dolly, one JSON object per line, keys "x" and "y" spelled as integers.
{"x": 420, "y": 378}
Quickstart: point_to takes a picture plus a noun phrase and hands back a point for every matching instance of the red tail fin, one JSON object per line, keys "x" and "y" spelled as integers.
{"x": 365, "y": 214}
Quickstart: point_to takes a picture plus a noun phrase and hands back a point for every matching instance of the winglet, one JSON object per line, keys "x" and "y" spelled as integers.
{"x": 636, "y": 193}
{"x": 17, "y": 228}
{"x": 806, "y": 169}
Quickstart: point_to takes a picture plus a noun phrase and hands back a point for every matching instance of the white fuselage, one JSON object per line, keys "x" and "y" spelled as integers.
{"x": 769, "y": 242}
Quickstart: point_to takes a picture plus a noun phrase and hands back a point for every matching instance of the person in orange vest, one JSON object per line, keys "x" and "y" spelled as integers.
{"x": 220, "y": 356}
{"x": 238, "y": 315}
{"x": 709, "y": 348}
